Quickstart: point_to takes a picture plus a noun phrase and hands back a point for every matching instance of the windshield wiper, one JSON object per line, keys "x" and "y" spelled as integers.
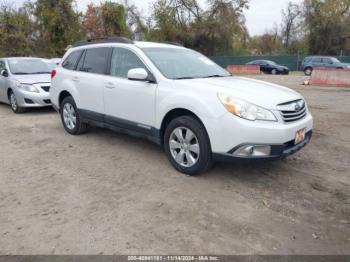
{"x": 185, "y": 77}
{"x": 212, "y": 76}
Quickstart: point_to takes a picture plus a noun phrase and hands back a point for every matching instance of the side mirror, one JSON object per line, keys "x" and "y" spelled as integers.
{"x": 138, "y": 74}
{"x": 4, "y": 73}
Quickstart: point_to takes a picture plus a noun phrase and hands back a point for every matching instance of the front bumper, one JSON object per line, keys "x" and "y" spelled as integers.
{"x": 31, "y": 99}
{"x": 229, "y": 131}
{"x": 277, "y": 151}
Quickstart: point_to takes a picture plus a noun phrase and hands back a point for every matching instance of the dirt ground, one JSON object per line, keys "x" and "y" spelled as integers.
{"x": 107, "y": 193}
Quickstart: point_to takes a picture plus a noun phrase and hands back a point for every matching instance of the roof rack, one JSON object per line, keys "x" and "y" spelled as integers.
{"x": 122, "y": 40}
{"x": 171, "y": 43}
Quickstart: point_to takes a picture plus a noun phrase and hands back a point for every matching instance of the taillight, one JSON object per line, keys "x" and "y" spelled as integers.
{"x": 53, "y": 73}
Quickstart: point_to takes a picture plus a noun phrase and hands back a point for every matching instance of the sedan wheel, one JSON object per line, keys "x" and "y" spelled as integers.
{"x": 13, "y": 102}
{"x": 274, "y": 72}
{"x": 184, "y": 147}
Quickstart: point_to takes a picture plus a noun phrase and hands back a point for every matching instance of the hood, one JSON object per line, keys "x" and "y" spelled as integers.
{"x": 260, "y": 93}
{"x": 283, "y": 67}
{"x": 33, "y": 79}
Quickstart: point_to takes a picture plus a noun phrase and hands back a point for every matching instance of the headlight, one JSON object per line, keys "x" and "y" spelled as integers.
{"x": 28, "y": 88}
{"x": 245, "y": 109}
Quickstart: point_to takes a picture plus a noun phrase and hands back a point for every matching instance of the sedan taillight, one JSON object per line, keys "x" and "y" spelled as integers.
{"x": 53, "y": 74}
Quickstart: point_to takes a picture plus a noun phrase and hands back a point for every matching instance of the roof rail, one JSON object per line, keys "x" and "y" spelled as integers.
{"x": 171, "y": 43}
{"x": 122, "y": 40}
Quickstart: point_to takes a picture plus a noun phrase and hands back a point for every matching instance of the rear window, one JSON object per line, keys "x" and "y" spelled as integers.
{"x": 95, "y": 60}
{"x": 72, "y": 60}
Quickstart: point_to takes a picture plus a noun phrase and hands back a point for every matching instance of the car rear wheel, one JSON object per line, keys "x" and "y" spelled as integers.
{"x": 71, "y": 118}
{"x": 187, "y": 145}
{"x": 14, "y": 104}
{"x": 308, "y": 71}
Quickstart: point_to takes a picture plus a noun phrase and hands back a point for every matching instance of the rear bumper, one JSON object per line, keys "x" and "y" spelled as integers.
{"x": 278, "y": 151}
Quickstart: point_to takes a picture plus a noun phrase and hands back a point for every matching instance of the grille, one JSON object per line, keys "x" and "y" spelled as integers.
{"x": 45, "y": 88}
{"x": 293, "y": 111}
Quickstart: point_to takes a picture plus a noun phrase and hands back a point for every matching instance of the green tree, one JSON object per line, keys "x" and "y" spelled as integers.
{"x": 114, "y": 19}
{"x": 57, "y": 25}
{"x": 107, "y": 19}
{"x": 16, "y": 31}
{"x": 269, "y": 43}
{"x": 327, "y": 24}
{"x": 218, "y": 29}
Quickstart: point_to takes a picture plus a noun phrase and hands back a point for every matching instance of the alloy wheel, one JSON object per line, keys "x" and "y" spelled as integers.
{"x": 13, "y": 102}
{"x": 184, "y": 146}
{"x": 69, "y": 116}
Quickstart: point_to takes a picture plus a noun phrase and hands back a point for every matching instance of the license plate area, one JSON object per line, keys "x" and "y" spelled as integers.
{"x": 300, "y": 136}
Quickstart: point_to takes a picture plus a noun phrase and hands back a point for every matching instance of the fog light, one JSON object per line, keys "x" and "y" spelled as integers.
{"x": 253, "y": 151}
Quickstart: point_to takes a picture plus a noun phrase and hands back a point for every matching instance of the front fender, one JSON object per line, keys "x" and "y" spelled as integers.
{"x": 203, "y": 108}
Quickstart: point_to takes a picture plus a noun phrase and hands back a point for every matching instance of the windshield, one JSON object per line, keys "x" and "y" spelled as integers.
{"x": 176, "y": 63}
{"x": 28, "y": 66}
{"x": 270, "y": 62}
{"x": 335, "y": 60}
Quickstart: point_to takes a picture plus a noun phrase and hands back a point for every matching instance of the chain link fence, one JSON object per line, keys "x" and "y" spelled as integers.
{"x": 291, "y": 61}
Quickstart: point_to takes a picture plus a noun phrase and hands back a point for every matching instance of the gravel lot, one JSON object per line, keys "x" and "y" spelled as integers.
{"x": 107, "y": 193}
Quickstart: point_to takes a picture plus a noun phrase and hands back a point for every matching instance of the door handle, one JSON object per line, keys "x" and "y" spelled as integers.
{"x": 110, "y": 85}
{"x": 75, "y": 79}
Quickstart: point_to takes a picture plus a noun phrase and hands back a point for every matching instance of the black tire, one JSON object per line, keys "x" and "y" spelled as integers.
{"x": 204, "y": 158}
{"x": 274, "y": 72}
{"x": 308, "y": 71}
{"x": 14, "y": 104}
{"x": 79, "y": 127}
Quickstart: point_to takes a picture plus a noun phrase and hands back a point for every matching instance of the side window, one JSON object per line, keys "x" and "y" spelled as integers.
{"x": 326, "y": 60}
{"x": 123, "y": 60}
{"x": 317, "y": 60}
{"x": 2, "y": 65}
{"x": 71, "y": 60}
{"x": 96, "y": 60}
{"x": 81, "y": 62}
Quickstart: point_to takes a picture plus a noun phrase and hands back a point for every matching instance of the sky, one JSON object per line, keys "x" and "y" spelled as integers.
{"x": 261, "y": 16}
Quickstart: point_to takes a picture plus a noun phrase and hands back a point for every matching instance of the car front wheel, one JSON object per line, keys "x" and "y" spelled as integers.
{"x": 308, "y": 71}
{"x": 14, "y": 104}
{"x": 187, "y": 145}
{"x": 71, "y": 118}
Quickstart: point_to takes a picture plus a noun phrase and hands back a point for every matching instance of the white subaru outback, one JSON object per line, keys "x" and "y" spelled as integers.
{"x": 180, "y": 99}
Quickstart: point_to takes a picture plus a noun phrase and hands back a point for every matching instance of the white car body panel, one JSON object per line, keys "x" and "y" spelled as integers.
{"x": 148, "y": 103}
{"x": 130, "y": 100}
